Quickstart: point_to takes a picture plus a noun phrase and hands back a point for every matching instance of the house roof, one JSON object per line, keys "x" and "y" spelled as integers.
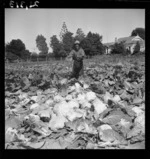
{"x": 108, "y": 44}
{"x": 128, "y": 41}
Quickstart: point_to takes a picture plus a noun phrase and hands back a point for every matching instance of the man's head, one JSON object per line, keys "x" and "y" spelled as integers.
{"x": 77, "y": 44}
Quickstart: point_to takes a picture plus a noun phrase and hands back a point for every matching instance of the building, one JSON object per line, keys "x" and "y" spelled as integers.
{"x": 129, "y": 43}
{"x": 108, "y": 47}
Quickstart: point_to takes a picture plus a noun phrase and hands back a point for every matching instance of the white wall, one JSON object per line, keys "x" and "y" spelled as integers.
{"x": 137, "y": 38}
{"x": 132, "y": 48}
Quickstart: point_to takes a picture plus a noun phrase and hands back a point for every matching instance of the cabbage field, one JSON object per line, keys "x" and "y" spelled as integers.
{"x": 103, "y": 109}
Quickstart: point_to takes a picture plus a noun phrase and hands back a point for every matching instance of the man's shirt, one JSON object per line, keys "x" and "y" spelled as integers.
{"x": 77, "y": 55}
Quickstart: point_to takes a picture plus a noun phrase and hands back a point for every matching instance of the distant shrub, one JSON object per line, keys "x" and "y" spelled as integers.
{"x": 62, "y": 53}
{"x": 10, "y": 56}
{"x": 136, "y": 48}
{"x": 118, "y": 48}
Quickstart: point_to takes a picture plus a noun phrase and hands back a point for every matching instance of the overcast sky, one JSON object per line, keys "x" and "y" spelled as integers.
{"x": 110, "y": 23}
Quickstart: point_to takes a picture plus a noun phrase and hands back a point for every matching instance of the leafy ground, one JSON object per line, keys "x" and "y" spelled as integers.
{"x": 104, "y": 109}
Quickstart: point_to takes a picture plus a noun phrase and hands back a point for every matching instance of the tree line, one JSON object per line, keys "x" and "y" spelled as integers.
{"x": 91, "y": 43}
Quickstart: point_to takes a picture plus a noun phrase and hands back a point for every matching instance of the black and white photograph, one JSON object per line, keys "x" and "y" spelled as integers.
{"x": 74, "y": 78}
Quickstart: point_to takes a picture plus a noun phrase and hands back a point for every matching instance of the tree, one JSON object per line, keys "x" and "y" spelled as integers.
{"x": 79, "y": 35}
{"x": 55, "y": 45}
{"x": 16, "y": 47}
{"x": 25, "y": 54}
{"x": 92, "y": 44}
{"x": 86, "y": 45}
{"x": 41, "y": 44}
{"x": 64, "y": 30}
{"x": 139, "y": 31}
{"x": 97, "y": 47}
{"x": 67, "y": 42}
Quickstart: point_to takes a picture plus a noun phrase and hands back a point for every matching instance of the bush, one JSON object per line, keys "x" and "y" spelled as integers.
{"x": 16, "y": 47}
{"x": 62, "y": 53}
{"x": 118, "y": 48}
{"x": 137, "y": 48}
{"x": 10, "y": 56}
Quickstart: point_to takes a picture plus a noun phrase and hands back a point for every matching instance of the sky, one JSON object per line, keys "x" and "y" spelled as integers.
{"x": 110, "y": 23}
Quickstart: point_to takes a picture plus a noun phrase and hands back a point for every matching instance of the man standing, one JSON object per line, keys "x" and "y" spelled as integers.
{"x": 77, "y": 54}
